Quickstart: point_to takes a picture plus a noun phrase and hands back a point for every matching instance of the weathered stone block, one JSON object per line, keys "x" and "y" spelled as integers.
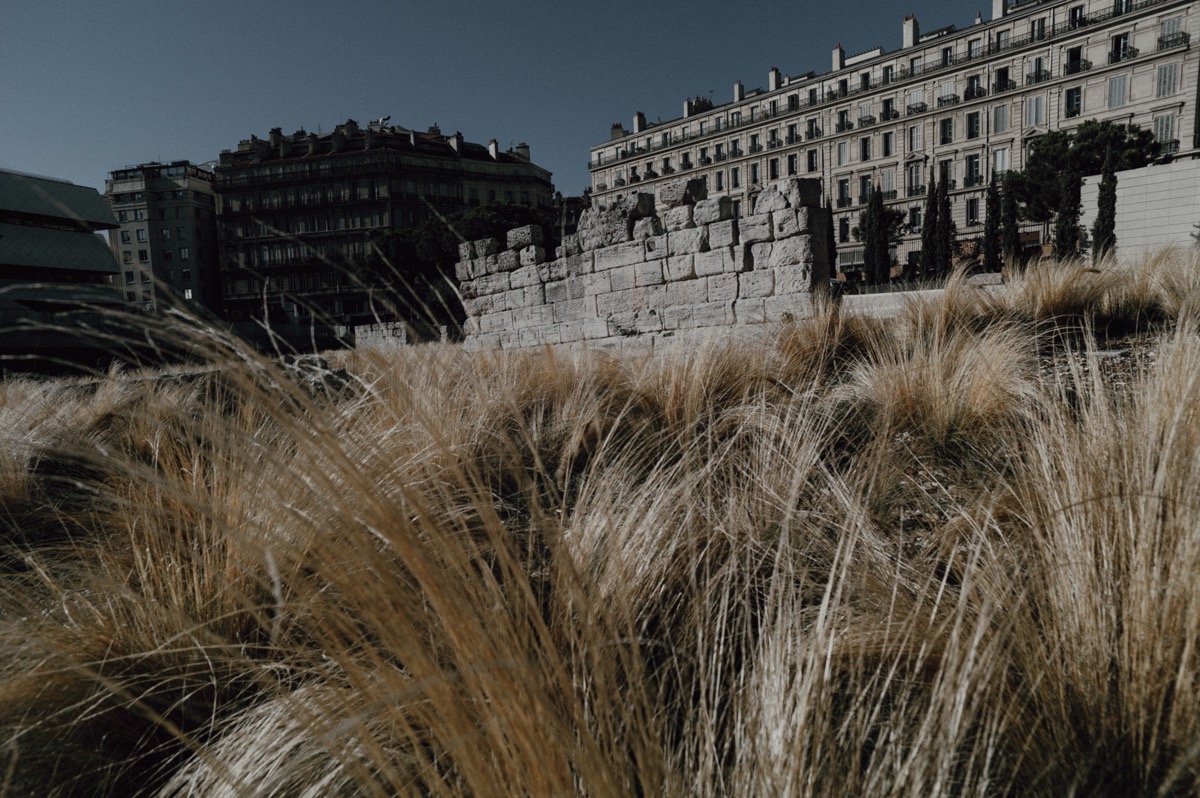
{"x": 785, "y": 223}
{"x": 790, "y": 306}
{"x": 526, "y": 275}
{"x": 552, "y": 270}
{"x": 677, "y": 317}
{"x": 717, "y": 209}
{"x": 466, "y": 250}
{"x": 649, "y": 273}
{"x": 682, "y": 192}
{"x": 635, "y": 322}
{"x": 496, "y": 322}
{"x": 477, "y": 306}
{"x": 462, "y": 270}
{"x": 752, "y": 285}
{"x": 760, "y": 255}
{"x": 623, "y": 278}
{"x": 712, "y": 314}
{"x": 541, "y": 314}
{"x": 597, "y": 283}
{"x": 594, "y": 329}
{"x": 754, "y": 229}
{"x": 490, "y": 283}
{"x": 715, "y": 261}
{"x": 533, "y": 255}
{"x": 620, "y": 255}
{"x": 656, "y": 245}
{"x": 556, "y": 291}
{"x": 485, "y": 246}
{"x": 579, "y": 263}
{"x": 750, "y": 311}
{"x": 680, "y": 267}
{"x": 686, "y": 292}
{"x": 769, "y": 201}
{"x": 507, "y": 260}
{"x": 575, "y": 310}
{"x": 792, "y": 280}
{"x": 684, "y": 242}
{"x": 723, "y": 234}
{"x": 487, "y": 264}
{"x": 538, "y": 336}
{"x": 797, "y": 249}
{"x": 802, "y": 192}
{"x": 527, "y": 236}
{"x": 647, "y": 228}
{"x": 620, "y": 302}
{"x": 679, "y": 218}
{"x": 570, "y": 244}
{"x": 722, "y": 287}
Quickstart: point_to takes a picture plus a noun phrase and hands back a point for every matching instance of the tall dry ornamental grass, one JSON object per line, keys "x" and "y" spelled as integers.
{"x": 937, "y": 555}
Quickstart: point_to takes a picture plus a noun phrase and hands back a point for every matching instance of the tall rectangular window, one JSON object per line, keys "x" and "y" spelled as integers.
{"x": 1000, "y": 160}
{"x": 973, "y": 125}
{"x": 720, "y": 181}
{"x": 915, "y": 178}
{"x": 735, "y": 177}
{"x": 973, "y": 210}
{"x": 889, "y": 144}
{"x": 792, "y": 165}
{"x": 1000, "y": 119}
{"x": 1035, "y": 110}
{"x": 946, "y": 131}
{"x": 887, "y": 182}
{"x": 812, "y": 160}
{"x": 914, "y": 138}
{"x": 1073, "y": 101}
{"x": 773, "y": 169}
{"x": 1118, "y": 91}
{"x": 843, "y": 153}
{"x": 1167, "y": 80}
{"x": 864, "y": 148}
{"x": 971, "y": 166}
{"x": 1164, "y": 128}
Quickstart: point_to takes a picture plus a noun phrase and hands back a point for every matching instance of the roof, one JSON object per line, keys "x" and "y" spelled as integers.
{"x": 45, "y": 197}
{"x": 46, "y": 248}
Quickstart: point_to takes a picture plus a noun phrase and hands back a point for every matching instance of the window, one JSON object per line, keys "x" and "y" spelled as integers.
{"x": 122, "y": 216}
{"x": 812, "y": 160}
{"x": 843, "y": 230}
{"x": 184, "y": 253}
{"x": 1167, "y": 80}
{"x": 889, "y": 144}
{"x": 735, "y": 177}
{"x": 1073, "y": 101}
{"x": 166, "y": 234}
{"x": 141, "y": 236}
{"x": 1122, "y": 6}
{"x": 1120, "y": 50}
{"x": 864, "y": 148}
{"x": 889, "y": 109}
{"x": 947, "y": 56}
{"x": 916, "y": 98}
{"x": 793, "y": 165}
{"x": 887, "y": 183}
{"x": 843, "y": 153}
{"x": 914, "y": 138}
{"x": 1075, "y": 17}
{"x": 888, "y": 74}
{"x": 773, "y": 169}
{"x": 1002, "y": 38}
{"x": 737, "y": 209}
{"x": 167, "y": 255}
{"x": 973, "y": 210}
{"x": 140, "y": 215}
{"x": 185, "y": 275}
{"x": 972, "y": 176}
{"x": 1118, "y": 91}
{"x": 1164, "y": 128}
{"x": 843, "y": 193}
{"x": 914, "y": 217}
{"x": 126, "y": 257}
{"x": 915, "y": 178}
{"x": 128, "y": 277}
{"x": 187, "y": 293}
{"x": 946, "y": 131}
{"x": 1037, "y": 29}
{"x": 864, "y": 188}
{"x": 143, "y": 256}
{"x": 720, "y": 181}
{"x": 1000, "y": 119}
{"x": 124, "y": 236}
{"x": 754, "y": 174}
{"x": 145, "y": 277}
{"x": 946, "y": 172}
{"x": 974, "y": 48}
{"x": 973, "y": 125}
{"x": 131, "y": 296}
{"x": 1000, "y": 160}
{"x": 1170, "y": 27}
{"x": 1035, "y": 111}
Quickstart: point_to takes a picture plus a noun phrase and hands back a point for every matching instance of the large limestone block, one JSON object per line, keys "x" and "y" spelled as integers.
{"x": 797, "y": 249}
{"x": 524, "y": 276}
{"x": 656, "y": 246}
{"x": 485, "y": 246}
{"x": 575, "y": 310}
{"x": 579, "y": 263}
{"x": 527, "y": 236}
{"x": 792, "y": 280}
{"x": 649, "y": 273}
{"x": 722, "y": 287}
{"x": 533, "y": 255}
{"x": 789, "y": 307}
{"x": 713, "y": 314}
{"x": 649, "y": 227}
{"x": 754, "y": 285}
{"x": 462, "y": 270}
{"x": 597, "y": 283}
{"x": 636, "y": 322}
{"x": 802, "y": 192}
{"x": 769, "y": 201}
{"x": 750, "y": 311}
{"x": 507, "y": 261}
{"x": 686, "y": 242}
{"x": 723, "y": 234}
{"x": 679, "y": 218}
{"x": 531, "y": 337}
{"x": 715, "y": 261}
{"x": 717, "y": 209}
{"x": 552, "y": 270}
{"x": 595, "y": 329}
{"x": 677, "y": 317}
{"x": 496, "y": 322}
{"x": 755, "y": 229}
{"x": 477, "y": 306}
{"x": 785, "y": 223}
{"x": 466, "y": 250}
{"x": 625, "y": 301}
{"x": 687, "y": 292}
{"x": 487, "y": 284}
{"x": 563, "y": 290}
{"x": 623, "y": 278}
{"x": 618, "y": 255}
{"x": 601, "y": 226}
{"x": 682, "y": 192}
{"x": 570, "y": 244}
{"x": 680, "y": 267}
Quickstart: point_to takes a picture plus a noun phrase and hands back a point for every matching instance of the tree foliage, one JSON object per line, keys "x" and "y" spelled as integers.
{"x": 991, "y": 227}
{"x": 1104, "y": 229}
{"x": 1010, "y": 231}
{"x": 1066, "y": 217}
{"x": 929, "y": 230}
{"x": 946, "y": 233}
{"x": 1039, "y": 187}
{"x": 877, "y": 252}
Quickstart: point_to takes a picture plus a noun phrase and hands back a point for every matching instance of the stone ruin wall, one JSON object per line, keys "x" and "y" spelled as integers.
{"x": 634, "y": 275}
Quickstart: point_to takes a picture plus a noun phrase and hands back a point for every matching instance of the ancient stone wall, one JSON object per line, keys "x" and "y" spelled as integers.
{"x": 635, "y": 274}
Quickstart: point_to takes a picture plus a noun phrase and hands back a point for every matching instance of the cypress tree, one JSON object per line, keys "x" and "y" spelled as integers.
{"x": 876, "y": 258}
{"x": 1066, "y": 221}
{"x": 1010, "y": 232}
{"x": 945, "y": 231}
{"x": 991, "y": 228}
{"x": 1104, "y": 229}
{"x": 929, "y": 230}
{"x": 831, "y": 239}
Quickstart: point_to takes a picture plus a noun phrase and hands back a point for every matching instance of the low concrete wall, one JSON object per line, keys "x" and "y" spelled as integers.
{"x": 635, "y": 274}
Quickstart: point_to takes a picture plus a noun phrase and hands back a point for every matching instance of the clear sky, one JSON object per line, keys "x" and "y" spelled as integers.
{"x": 87, "y": 87}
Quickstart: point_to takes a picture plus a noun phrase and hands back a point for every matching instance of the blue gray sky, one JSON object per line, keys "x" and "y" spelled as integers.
{"x": 87, "y": 87}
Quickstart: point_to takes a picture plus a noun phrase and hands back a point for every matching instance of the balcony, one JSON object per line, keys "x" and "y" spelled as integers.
{"x": 602, "y": 186}
{"x": 668, "y": 170}
{"x": 947, "y": 100}
{"x": 866, "y": 121}
{"x": 815, "y": 133}
{"x": 686, "y": 165}
{"x": 1167, "y": 148}
{"x": 863, "y": 199}
{"x": 917, "y": 108}
{"x": 1075, "y": 67}
{"x": 974, "y": 93}
{"x": 1039, "y": 76}
{"x": 847, "y": 125}
{"x": 1174, "y": 40}
{"x": 755, "y": 148}
{"x": 1123, "y": 54}
{"x": 843, "y": 202}
{"x": 721, "y": 156}
{"x": 889, "y": 113}
{"x": 705, "y": 160}
{"x": 619, "y": 182}
{"x": 793, "y": 139}
{"x": 774, "y": 144}
{"x": 915, "y": 191}
{"x": 1003, "y": 86}
{"x": 889, "y": 195}
{"x": 970, "y": 181}
{"x": 950, "y": 184}
{"x": 1072, "y": 111}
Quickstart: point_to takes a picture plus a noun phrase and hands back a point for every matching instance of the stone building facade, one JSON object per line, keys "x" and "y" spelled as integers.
{"x": 167, "y": 239}
{"x": 301, "y": 215}
{"x": 960, "y": 103}
{"x": 638, "y": 271}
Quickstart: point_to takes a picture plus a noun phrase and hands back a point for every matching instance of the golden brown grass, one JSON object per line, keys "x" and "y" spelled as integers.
{"x": 867, "y": 558}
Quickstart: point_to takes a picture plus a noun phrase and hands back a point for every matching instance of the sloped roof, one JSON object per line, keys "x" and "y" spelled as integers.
{"x": 46, "y": 248}
{"x": 42, "y": 196}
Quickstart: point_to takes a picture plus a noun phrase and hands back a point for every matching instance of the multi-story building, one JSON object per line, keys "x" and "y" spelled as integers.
{"x": 301, "y": 216}
{"x": 167, "y": 239}
{"x": 962, "y": 103}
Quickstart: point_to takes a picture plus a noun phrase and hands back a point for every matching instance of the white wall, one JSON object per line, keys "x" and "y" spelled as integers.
{"x": 1157, "y": 207}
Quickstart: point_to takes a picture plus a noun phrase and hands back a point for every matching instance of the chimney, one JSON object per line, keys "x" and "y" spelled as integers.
{"x": 313, "y": 143}
{"x": 774, "y": 79}
{"x": 494, "y": 150}
{"x": 999, "y": 8}
{"x": 739, "y": 92}
{"x": 337, "y": 141}
{"x": 912, "y": 31}
{"x": 616, "y": 131}
{"x": 523, "y": 150}
{"x": 839, "y": 57}
{"x": 456, "y": 141}
{"x": 978, "y": 17}
{"x": 639, "y": 122}
{"x": 687, "y": 107}
{"x": 276, "y": 137}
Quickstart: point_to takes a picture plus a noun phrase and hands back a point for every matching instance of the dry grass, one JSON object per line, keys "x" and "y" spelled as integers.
{"x": 868, "y": 558}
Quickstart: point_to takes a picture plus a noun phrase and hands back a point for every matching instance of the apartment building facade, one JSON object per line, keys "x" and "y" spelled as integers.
{"x": 300, "y": 215}
{"x": 167, "y": 239}
{"x": 958, "y": 103}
